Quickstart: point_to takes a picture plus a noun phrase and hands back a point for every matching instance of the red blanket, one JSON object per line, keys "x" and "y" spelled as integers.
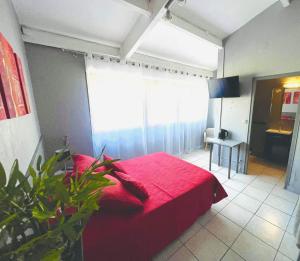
{"x": 179, "y": 193}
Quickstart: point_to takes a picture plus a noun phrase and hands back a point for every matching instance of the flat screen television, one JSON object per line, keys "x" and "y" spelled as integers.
{"x": 224, "y": 87}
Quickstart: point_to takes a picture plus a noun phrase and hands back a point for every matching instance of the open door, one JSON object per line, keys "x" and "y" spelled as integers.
{"x": 273, "y": 119}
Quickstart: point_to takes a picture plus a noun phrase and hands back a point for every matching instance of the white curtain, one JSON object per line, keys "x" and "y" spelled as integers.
{"x": 137, "y": 111}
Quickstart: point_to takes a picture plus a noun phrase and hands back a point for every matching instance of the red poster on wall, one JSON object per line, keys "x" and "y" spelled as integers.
{"x": 22, "y": 82}
{"x": 7, "y": 98}
{"x": 296, "y": 97}
{"x": 12, "y": 86}
{"x": 287, "y": 98}
{"x": 3, "y": 114}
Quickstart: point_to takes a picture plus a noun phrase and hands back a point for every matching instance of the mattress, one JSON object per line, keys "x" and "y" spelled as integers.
{"x": 179, "y": 193}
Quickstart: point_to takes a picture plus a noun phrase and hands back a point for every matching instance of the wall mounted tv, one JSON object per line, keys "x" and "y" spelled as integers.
{"x": 224, "y": 87}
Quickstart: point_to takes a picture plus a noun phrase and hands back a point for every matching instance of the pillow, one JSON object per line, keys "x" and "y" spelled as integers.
{"x": 115, "y": 166}
{"x": 83, "y": 162}
{"x": 116, "y": 198}
{"x": 134, "y": 186}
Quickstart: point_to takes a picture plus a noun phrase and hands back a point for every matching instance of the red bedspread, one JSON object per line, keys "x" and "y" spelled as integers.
{"x": 179, "y": 193}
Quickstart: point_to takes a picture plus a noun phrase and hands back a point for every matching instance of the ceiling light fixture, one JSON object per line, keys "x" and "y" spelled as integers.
{"x": 291, "y": 85}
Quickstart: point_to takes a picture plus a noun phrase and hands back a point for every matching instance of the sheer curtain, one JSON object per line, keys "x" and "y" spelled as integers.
{"x": 137, "y": 111}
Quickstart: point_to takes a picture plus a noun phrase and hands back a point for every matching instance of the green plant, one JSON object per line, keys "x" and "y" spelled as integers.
{"x": 35, "y": 223}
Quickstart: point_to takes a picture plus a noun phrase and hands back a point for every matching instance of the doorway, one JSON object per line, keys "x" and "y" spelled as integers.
{"x": 275, "y": 104}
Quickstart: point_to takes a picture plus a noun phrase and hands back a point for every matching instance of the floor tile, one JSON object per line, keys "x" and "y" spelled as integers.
{"x": 168, "y": 251}
{"x": 281, "y": 204}
{"x": 199, "y": 163}
{"x": 193, "y": 156}
{"x": 265, "y": 231}
{"x": 281, "y": 257}
{"x": 224, "y": 229}
{"x": 275, "y": 216}
{"x": 206, "y": 167}
{"x": 285, "y": 194}
{"x": 268, "y": 179}
{"x": 206, "y": 247}
{"x": 231, "y": 256}
{"x": 192, "y": 230}
{"x": 239, "y": 186}
{"x": 183, "y": 254}
{"x": 224, "y": 171}
{"x": 267, "y": 187}
{"x": 214, "y": 167}
{"x": 247, "y": 202}
{"x": 281, "y": 182}
{"x": 221, "y": 204}
{"x": 252, "y": 249}
{"x": 221, "y": 177}
{"x": 290, "y": 228}
{"x": 255, "y": 193}
{"x": 232, "y": 193}
{"x": 204, "y": 219}
{"x": 288, "y": 246}
{"x": 238, "y": 215}
{"x": 296, "y": 210}
{"x": 244, "y": 178}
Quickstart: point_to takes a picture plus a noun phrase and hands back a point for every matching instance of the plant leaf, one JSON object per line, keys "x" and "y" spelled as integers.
{"x": 38, "y": 163}
{"x": 7, "y": 220}
{"x": 24, "y": 184}
{"x": 13, "y": 178}
{"x": 42, "y": 215}
{"x": 2, "y": 176}
{"x": 48, "y": 166}
{"x": 70, "y": 233}
{"x": 53, "y": 255}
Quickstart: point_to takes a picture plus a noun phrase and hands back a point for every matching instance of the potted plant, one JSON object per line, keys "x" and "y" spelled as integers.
{"x": 35, "y": 219}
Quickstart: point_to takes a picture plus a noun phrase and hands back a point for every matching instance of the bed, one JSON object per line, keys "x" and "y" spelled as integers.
{"x": 179, "y": 193}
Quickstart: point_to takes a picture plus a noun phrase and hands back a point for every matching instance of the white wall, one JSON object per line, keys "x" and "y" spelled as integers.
{"x": 20, "y": 136}
{"x": 60, "y": 91}
{"x": 267, "y": 45}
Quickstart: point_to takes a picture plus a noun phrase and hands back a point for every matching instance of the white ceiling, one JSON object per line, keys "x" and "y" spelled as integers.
{"x": 221, "y": 17}
{"x": 110, "y": 21}
{"x": 105, "y": 20}
{"x": 166, "y": 41}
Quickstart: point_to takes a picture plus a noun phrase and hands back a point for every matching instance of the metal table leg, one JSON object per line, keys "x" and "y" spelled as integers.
{"x": 229, "y": 166}
{"x": 219, "y": 155}
{"x": 210, "y": 155}
{"x": 238, "y": 158}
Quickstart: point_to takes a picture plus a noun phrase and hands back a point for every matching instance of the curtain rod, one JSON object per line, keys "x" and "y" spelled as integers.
{"x": 106, "y": 58}
{"x": 146, "y": 65}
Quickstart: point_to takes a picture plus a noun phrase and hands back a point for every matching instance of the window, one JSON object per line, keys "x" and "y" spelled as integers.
{"x": 135, "y": 111}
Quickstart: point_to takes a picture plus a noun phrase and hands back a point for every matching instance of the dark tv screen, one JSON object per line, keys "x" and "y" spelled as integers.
{"x": 224, "y": 87}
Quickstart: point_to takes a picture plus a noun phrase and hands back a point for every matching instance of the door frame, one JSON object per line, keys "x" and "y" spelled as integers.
{"x": 295, "y": 130}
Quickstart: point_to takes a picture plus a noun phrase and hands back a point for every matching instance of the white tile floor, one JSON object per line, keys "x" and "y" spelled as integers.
{"x": 254, "y": 223}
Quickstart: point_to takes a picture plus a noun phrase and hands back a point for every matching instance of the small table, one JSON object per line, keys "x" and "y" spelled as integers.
{"x": 227, "y": 143}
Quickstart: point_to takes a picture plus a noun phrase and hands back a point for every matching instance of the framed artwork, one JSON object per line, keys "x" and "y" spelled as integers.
{"x": 287, "y": 98}
{"x": 22, "y": 82}
{"x": 11, "y": 82}
{"x": 3, "y": 109}
{"x": 296, "y": 97}
{"x": 4, "y": 79}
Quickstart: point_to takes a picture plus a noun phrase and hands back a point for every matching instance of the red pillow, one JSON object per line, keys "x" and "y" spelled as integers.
{"x": 114, "y": 165}
{"x": 116, "y": 198}
{"x": 83, "y": 162}
{"x": 134, "y": 186}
